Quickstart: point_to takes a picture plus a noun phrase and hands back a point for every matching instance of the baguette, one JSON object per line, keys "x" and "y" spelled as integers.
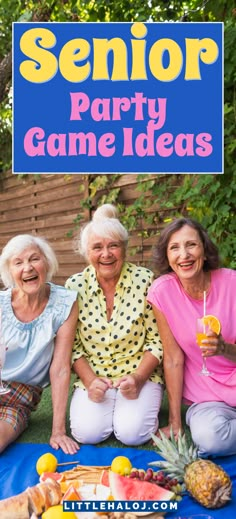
{"x": 34, "y": 500}
{"x": 15, "y": 507}
{"x": 54, "y": 492}
{"x": 43, "y": 495}
{"x": 44, "y": 491}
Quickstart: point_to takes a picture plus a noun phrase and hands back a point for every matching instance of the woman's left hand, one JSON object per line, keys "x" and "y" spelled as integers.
{"x": 130, "y": 386}
{"x": 67, "y": 444}
{"x": 213, "y": 345}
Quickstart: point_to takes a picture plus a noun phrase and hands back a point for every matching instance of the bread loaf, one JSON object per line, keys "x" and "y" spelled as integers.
{"x": 54, "y": 492}
{"x": 34, "y": 500}
{"x": 44, "y": 490}
{"x": 15, "y": 507}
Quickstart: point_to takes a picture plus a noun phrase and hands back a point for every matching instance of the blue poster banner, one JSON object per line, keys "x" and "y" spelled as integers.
{"x": 118, "y": 97}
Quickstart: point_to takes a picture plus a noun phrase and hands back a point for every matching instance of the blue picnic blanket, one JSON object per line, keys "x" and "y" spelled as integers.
{"x": 18, "y": 461}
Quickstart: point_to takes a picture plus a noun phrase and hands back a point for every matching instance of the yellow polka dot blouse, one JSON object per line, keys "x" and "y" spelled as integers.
{"x": 116, "y": 347}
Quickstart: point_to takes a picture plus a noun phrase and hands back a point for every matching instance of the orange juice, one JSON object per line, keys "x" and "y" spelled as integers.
{"x": 201, "y": 337}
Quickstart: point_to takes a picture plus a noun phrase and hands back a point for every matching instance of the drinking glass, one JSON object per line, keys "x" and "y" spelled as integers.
{"x": 202, "y": 331}
{"x": 3, "y": 387}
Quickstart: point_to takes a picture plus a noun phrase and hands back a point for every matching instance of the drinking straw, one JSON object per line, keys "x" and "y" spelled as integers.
{"x": 204, "y": 303}
{"x": 204, "y": 309}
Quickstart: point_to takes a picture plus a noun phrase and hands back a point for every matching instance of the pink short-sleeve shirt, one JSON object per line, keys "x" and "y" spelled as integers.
{"x": 181, "y": 312}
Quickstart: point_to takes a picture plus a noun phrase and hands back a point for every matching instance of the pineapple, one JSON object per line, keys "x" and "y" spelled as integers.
{"x": 207, "y": 482}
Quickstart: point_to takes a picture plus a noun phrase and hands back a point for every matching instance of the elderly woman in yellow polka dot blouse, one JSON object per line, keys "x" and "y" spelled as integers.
{"x": 117, "y": 353}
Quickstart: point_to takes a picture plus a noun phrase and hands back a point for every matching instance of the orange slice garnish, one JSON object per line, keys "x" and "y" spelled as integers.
{"x": 213, "y": 323}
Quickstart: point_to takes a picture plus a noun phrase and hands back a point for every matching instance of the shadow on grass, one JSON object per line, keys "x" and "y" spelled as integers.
{"x": 40, "y": 425}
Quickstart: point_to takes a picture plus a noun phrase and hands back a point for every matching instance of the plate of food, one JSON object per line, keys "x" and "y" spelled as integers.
{"x": 82, "y": 483}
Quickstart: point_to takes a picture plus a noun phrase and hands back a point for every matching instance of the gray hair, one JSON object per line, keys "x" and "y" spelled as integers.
{"x": 105, "y": 223}
{"x": 18, "y": 244}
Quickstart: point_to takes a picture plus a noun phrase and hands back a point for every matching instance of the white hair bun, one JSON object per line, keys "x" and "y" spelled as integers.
{"x": 105, "y": 211}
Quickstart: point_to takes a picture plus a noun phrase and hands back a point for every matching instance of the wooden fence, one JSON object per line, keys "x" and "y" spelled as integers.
{"x": 48, "y": 206}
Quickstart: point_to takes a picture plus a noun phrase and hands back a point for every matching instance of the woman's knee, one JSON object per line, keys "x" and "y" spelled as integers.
{"x": 136, "y": 420}
{"x": 210, "y": 433}
{"x": 88, "y": 435}
{"x": 8, "y": 434}
{"x": 205, "y": 438}
{"x": 134, "y": 432}
{"x": 89, "y": 425}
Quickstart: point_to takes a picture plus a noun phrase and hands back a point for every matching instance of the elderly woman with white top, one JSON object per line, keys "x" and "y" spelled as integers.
{"x": 38, "y": 323}
{"x": 117, "y": 354}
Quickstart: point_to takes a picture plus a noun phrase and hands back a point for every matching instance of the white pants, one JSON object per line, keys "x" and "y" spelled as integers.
{"x": 132, "y": 421}
{"x": 213, "y": 428}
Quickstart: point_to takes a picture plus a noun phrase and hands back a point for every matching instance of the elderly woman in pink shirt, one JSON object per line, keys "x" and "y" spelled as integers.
{"x": 188, "y": 264}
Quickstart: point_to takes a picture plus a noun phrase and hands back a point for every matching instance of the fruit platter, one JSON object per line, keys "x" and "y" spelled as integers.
{"x": 118, "y": 481}
{"x": 178, "y": 472}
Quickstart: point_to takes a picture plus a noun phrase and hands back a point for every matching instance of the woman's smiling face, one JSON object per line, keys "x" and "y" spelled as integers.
{"x": 185, "y": 253}
{"x": 107, "y": 256}
{"x": 28, "y": 269}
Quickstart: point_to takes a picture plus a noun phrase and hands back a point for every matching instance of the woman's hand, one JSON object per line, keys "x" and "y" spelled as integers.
{"x": 216, "y": 345}
{"x": 130, "y": 385}
{"x": 98, "y": 388}
{"x": 213, "y": 345}
{"x": 61, "y": 440}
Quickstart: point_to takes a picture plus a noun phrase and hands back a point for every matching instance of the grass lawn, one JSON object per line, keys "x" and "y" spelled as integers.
{"x": 39, "y": 429}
